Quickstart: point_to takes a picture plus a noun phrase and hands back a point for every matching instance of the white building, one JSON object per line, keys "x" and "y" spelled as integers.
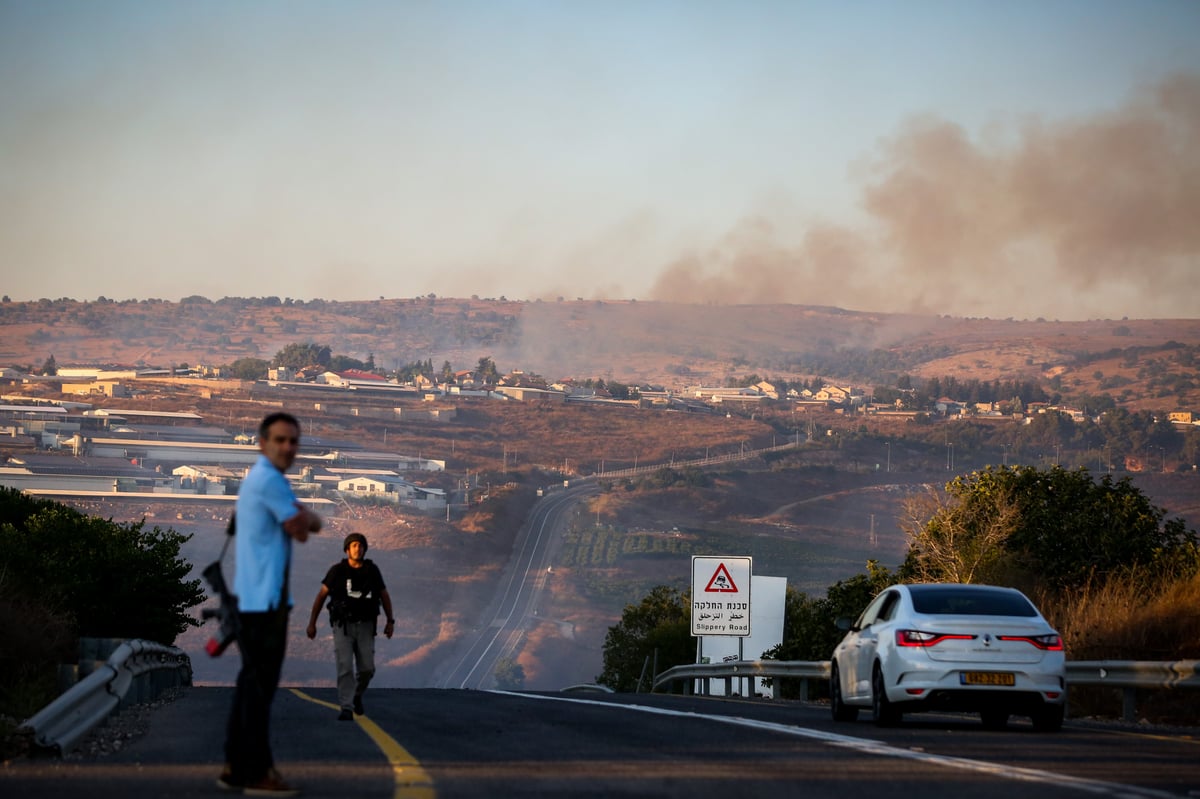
{"x": 392, "y": 488}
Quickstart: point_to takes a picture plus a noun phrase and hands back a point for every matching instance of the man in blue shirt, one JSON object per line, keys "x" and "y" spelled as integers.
{"x": 269, "y": 519}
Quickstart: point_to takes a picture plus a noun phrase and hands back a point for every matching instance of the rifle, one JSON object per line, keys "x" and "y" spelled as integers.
{"x": 226, "y": 614}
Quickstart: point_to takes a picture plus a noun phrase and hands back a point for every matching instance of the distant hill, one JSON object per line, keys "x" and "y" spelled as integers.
{"x": 1146, "y": 364}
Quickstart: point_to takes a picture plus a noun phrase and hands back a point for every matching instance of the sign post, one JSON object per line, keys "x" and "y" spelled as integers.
{"x": 721, "y": 595}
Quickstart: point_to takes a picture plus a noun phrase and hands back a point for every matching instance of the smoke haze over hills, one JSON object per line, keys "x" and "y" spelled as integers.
{"x": 1058, "y": 220}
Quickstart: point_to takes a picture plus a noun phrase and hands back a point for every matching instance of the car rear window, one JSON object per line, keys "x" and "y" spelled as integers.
{"x": 936, "y": 600}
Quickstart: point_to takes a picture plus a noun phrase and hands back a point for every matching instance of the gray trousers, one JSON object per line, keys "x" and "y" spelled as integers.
{"x": 354, "y": 647}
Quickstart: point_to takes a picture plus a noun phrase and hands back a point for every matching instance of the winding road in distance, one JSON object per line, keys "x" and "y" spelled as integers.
{"x": 503, "y": 624}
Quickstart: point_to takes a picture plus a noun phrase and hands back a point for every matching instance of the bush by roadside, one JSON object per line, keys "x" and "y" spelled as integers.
{"x": 65, "y": 575}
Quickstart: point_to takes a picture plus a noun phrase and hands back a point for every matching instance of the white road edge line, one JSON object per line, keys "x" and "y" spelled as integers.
{"x": 868, "y": 746}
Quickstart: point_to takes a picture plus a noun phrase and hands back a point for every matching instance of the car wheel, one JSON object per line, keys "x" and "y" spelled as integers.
{"x": 885, "y": 712}
{"x": 1048, "y": 718}
{"x": 994, "y": 719}
{"x": 841, "y": 711}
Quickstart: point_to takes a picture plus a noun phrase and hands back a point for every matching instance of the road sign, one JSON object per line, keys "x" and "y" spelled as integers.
{"x": 721, "y": 595}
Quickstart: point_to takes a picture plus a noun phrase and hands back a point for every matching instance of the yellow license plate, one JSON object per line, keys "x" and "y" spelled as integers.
{"x": 987, "y": 678}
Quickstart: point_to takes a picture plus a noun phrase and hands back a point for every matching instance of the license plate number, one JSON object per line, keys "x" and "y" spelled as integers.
{"x": 987, "y": 678}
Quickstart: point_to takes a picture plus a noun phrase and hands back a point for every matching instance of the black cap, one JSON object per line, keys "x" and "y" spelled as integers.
{"x": 359, "y": 537}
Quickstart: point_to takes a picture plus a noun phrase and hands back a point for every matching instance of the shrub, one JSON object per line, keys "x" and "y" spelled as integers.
{"x": 108, "y": 580}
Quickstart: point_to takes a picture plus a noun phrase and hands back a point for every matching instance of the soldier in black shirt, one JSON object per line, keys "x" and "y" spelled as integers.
{"x": 355, "y": 589}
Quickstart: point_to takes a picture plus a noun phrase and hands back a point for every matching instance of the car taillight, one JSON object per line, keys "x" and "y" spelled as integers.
{"x": 919, "y": 638}
{"x": 1052, "y": 643}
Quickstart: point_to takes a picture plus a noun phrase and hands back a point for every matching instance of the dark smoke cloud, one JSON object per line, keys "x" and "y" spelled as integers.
{"x": 1072, "y": 219}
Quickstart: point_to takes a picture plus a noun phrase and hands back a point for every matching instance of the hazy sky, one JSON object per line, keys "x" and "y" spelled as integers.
{"x": 973, "y": 158}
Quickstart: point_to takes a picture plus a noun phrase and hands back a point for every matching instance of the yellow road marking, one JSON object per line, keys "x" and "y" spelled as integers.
{"x": 1179, "y": 739}
{"x": 411, "y": 781}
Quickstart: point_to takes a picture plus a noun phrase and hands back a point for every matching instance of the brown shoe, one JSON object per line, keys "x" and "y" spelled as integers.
{"x": 228, "y": 783}
{"x": 270, "y": 785}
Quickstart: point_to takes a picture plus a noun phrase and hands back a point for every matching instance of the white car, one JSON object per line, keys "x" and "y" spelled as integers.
{"x": 949, "y": 646}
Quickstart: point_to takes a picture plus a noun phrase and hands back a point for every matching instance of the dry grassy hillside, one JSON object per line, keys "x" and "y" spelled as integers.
{"x": 628, "y": 341}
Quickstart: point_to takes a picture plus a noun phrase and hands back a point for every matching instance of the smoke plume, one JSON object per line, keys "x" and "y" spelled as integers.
{"x": 1077, "y": 218}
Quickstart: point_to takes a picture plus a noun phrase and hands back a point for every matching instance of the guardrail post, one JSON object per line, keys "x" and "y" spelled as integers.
{"x": 68, "y": 675}
{"x": 1129, "y": 704}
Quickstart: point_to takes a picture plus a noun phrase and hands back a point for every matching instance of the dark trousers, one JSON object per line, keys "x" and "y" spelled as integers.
{"x": 262, "y": 642}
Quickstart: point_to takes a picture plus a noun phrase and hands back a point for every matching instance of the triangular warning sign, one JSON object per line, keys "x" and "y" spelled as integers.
{"x": 721, "y": 582}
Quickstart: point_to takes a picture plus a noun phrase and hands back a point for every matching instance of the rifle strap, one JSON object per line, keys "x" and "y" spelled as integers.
{"x": 230, "y": 531}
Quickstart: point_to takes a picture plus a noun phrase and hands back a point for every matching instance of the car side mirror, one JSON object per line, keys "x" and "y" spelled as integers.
{"x": 845, "y": 624}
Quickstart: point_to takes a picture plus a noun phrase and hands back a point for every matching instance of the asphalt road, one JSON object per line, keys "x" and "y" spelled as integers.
{"x": 460, "y": 744}
{"x": 503, "y": 624}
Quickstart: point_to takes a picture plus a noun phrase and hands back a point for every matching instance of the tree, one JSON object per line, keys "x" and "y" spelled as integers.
{"x": 297, "y": 356}
{"x": 344, "y": 363}
{"x": 509, "y": 674}
{"x": 249, "y": 369}
{"x": 50, "y": 367}
{"x": 112, "y": 580}
{"x": 487, "y": 371}
{"x": 658, "y": 629}
{"x": 1052, "y": 529}
{"x": 946, "y": 544}
{"x": 618, "y": 390}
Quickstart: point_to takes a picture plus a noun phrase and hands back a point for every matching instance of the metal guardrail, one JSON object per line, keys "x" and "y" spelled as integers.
{"x": 136, "y": 672}
{"x": 1127, "y": 675}
{"x": 1135, "y": 673}
{"x": 710, "y": 460}
{"x": 1130, "y": 675}
{"x": 804, "y": 670}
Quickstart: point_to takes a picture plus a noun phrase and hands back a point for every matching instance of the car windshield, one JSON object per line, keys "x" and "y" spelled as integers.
{"x": 968, "y": 601}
